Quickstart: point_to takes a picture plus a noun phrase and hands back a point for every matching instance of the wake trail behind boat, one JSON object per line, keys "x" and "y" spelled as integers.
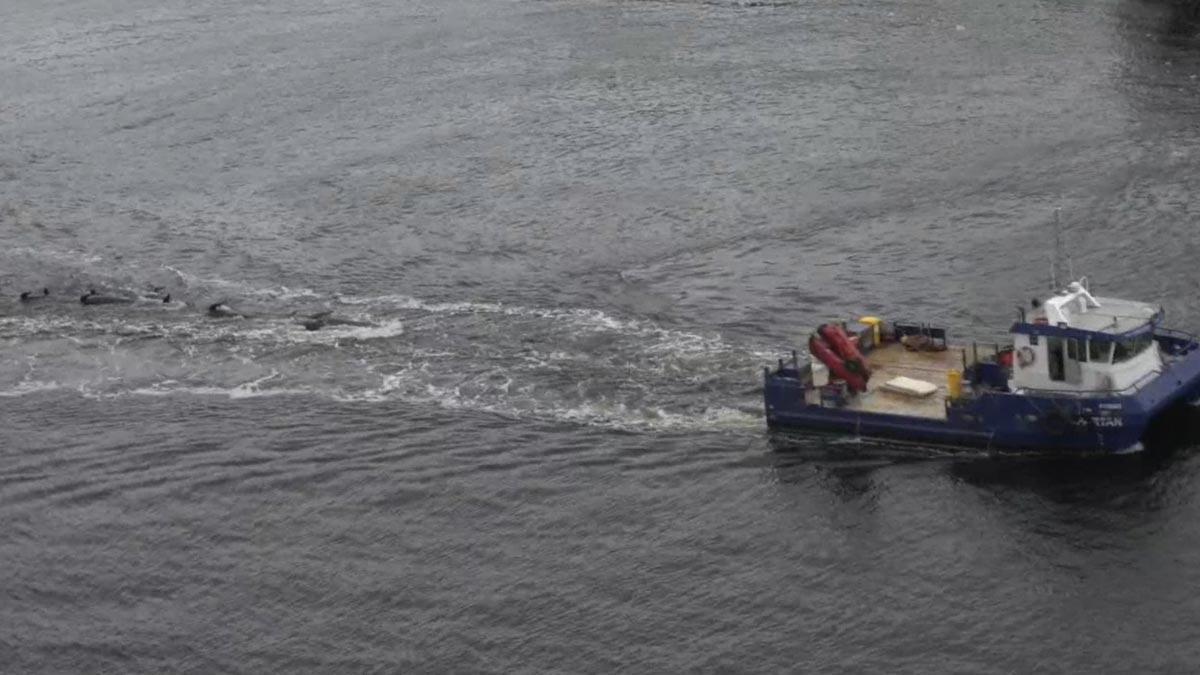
{"x": 575, "y": 365}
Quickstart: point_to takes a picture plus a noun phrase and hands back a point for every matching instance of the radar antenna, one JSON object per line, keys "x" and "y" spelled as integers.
{"x": 1058, "y": 253}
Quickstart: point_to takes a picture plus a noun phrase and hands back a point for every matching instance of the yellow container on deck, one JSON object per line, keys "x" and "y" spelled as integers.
{"x": 873, "y": 322}
{"x": 954, "y": 383}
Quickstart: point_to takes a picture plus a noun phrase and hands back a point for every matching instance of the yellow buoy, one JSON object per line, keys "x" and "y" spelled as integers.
{"x": 954, "y": 383}
{"x": 873, "y": 322}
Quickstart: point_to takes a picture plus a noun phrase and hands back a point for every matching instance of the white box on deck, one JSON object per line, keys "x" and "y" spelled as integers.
{"x": 910, "y": 386}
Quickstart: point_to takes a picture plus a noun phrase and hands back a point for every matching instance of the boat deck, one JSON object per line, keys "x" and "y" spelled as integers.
{"x": 893, "y": 360}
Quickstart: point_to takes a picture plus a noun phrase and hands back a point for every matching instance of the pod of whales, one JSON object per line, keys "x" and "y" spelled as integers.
{"x": 94, "y": 298}
{"x": 220, "y": 310}
{"x": 217, "y": 310}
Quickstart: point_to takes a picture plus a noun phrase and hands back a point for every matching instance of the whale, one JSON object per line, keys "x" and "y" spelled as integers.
{"x": 158, "y": 293}
{"x": 26, "y": 296}
{"x": 326, "y": 319}
{"x": 94, "y": 298}
{"x": 220, "y": 310}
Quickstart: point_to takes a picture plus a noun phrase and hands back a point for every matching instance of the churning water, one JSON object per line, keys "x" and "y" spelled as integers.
{"x": 569, "y": 234}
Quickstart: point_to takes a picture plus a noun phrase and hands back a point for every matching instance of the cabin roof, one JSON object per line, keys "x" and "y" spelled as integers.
{"x": 1114, "y": 318}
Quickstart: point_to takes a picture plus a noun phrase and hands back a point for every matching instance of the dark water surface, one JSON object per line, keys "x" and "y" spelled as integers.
{"x": 578, "y": 229}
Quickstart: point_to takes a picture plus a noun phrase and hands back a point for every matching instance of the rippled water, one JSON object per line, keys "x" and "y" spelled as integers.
{"x": 575, "y": 231}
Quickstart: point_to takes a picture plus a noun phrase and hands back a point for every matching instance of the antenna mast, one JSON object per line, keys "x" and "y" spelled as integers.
{"x": 1058, "y": 250}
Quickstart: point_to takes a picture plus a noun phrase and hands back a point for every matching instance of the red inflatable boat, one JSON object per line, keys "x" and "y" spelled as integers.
{"x": 820, "y": 349}
{"x": 837, "y": 338}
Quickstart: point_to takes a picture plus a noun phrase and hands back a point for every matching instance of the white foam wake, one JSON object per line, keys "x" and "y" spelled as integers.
{"x": 30, "y": 387}
{"x": 243, "y": 288}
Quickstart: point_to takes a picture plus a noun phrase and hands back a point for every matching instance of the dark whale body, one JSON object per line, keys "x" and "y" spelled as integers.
{"x": 324, "y": 320}
{"x": 94, "y": 298}
{"x": 220, "y": 310}
{"x": 26, "y": 296}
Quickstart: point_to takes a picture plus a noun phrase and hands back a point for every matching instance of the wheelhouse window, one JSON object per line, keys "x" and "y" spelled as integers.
{"x": 1127, "y": 349}
{"x": 1054, "y": 352}
{"x": 1099, "y": 351}
{"x": 1074, "y": 352}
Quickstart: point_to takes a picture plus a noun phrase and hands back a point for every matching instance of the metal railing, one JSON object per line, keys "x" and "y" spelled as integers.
{"x": 1193, "y": 341}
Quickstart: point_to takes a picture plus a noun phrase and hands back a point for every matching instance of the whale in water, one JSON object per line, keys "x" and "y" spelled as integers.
{"x": 94, "y": 298}
{"x": 26, "y": 296}
{"x": 220, "y": 310}
{"x": 326, "y": 319}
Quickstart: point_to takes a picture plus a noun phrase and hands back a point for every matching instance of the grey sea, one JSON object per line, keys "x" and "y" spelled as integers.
{"x": 561, "y": 238}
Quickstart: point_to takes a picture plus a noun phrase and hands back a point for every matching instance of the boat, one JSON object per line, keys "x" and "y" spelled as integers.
{"x": 1077, "y": 373}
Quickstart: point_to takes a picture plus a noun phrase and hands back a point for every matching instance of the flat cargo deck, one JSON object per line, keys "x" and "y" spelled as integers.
{"x": 893, "y": 360}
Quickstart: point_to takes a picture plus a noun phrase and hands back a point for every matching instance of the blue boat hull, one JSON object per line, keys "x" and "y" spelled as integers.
{"x": 996, "y": 420}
